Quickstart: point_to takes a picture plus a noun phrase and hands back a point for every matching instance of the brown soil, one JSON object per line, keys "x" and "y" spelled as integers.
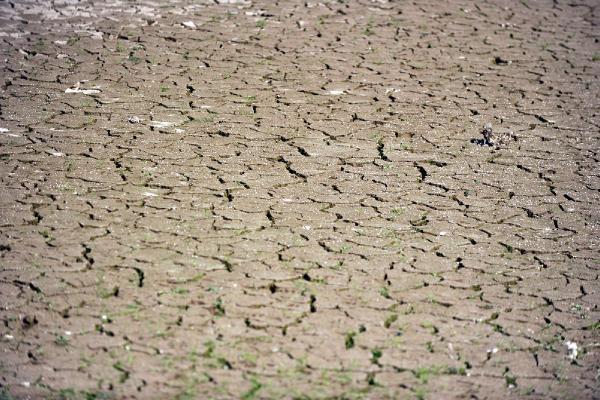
{"x": 262, "y": 200}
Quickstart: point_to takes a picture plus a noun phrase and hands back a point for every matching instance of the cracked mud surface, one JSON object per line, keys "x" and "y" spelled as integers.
{"x": 240, "y": 199}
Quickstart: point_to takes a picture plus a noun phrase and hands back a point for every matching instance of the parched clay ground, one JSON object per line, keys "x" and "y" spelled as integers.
{"x": 261, "y": 200}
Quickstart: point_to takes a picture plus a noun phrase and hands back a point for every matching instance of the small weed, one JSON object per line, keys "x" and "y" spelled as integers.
{"x": 376, "y": 354}
{"x": 398, "y": 211}
{"x": 596, "y": 57}
{"x": 384, "y": 291}
{"x": 423, "y": 374}
{"x": 106, "y": 293}
{"x": 124, "y": 372}
{"x": 182, "y": 291}
{"x": 429, "y": 347}
{"x": 511, "y": 380}
{"x": 209, "y": 350}
{"x": 368, "y": 31}
{"x": 253, "y": 391}
{"x": 420, "y": 393}
{"x": 261, "y": 23}
{"x": 528, "y": 391}
{"x": 133, "y": 58}
{"x": 63, "y": 394}
{"x": 371, "y": 379}
{"x": 430, "y": 327}
{"x": 249, "y": 358}
{"x": 61, "y": 340}
{"x": 218, "y": 308}
{"x": 390, "y": 320}
{"x": 46, "y": 235}
{"x": 223, "y": 363}
{"x": 593, "y": 327}
{"x": 410, "y": 310}
{"x": 508, "y": 248}
{"x": 345, "y": 248}
{"x": 349, "y": 339}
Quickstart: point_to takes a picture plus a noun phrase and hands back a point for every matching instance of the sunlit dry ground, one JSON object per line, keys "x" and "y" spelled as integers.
{"x": 257, "y": 199}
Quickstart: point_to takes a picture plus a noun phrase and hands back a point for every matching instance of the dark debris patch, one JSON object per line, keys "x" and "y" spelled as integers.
{"x": 492, "y": 139}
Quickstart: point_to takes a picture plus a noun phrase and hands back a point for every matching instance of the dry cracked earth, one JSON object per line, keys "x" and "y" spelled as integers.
{"x": 287, "y": 199}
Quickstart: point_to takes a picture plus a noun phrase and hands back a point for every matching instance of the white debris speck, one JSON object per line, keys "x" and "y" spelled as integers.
{"x": 134, "y": 119}
{"x": 573, "y": 349}
{"x": 9, "y": 337}
{"x": 104, "y": 318}
{"x": 306, "y": 227}
{"x": 443, "y": 233}
{"x": 26, "y": 384}
{"x": 493, "y": 350}
{"x": 6, "y": 132}
{"x": 83, "y": 91}
{"x": 68, "y": 333}
{"x": 97, "y": 35}
{"x": 275, "y": 349}
{"x": 255, "y": 13}
{"x": 60, "y": 42}
{"x": 57, "y": 154}
{"x": 161, "y": 124}
{"x": 177, "y": 130}
{"x": 77, "y": 89}
{"x": 60, "y": 56}
{"x": 189, "y": 24}
{"x": 205, "y": 106}
{"x": 336, "y": 92}
{"x": 150, "y": 194}
{"x": 243, "y": 2}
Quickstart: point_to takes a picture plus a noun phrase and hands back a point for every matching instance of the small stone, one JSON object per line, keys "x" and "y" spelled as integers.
{"x": 500, "y": 61}
{"x": 189, "y": 24}
{"x": 28, "y": 321}
{"x": 492, "y": 139}
{"x": 573, "y": 350}
{"x": 134, "y": 119}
